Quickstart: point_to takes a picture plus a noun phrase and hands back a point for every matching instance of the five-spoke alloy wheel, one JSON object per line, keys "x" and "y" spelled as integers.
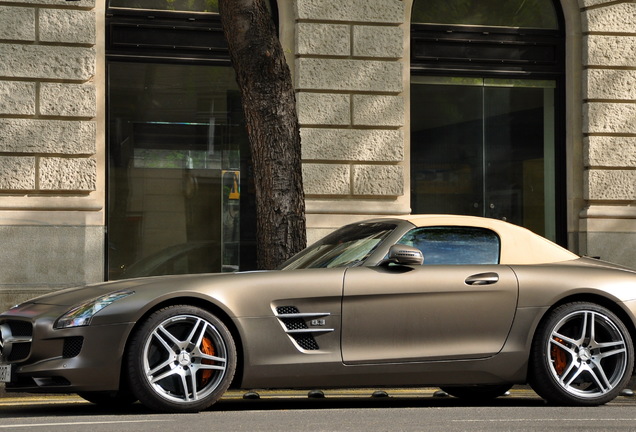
{"x": 182, "y": 359}
{"x": 582, "y": 355}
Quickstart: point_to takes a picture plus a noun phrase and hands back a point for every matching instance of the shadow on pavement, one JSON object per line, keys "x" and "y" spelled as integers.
{"x": 27, "y": 408}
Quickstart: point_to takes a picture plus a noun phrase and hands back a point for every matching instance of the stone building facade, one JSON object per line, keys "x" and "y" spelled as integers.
{"x": 51, "y": 146}
{"x": 608, "y": 215}
{"x": 351, "y": 62}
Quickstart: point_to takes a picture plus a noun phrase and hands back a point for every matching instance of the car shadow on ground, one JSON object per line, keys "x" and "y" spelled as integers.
{"x": 369, "y": 402}
{"x": 75, "y": 408}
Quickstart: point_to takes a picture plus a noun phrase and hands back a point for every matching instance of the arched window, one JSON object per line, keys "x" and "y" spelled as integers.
{"x": 487, "y": 114}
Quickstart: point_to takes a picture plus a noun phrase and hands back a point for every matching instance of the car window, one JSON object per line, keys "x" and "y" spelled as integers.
{"x": 454, "y": 245}
{"x": 347, "y": 247}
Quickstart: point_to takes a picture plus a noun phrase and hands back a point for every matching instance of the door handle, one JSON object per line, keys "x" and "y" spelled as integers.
{"x": 482, "y": 279}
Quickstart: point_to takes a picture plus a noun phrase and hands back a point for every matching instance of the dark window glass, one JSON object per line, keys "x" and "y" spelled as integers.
{"x": 168, "y": 5}
{"x": 496, "y": 13}
{"x": 485, "y": 148}
{"x": 454, "y": 245}
{"x": 178, "y": 165}
{"x": 487, "y": 111}
{"x": 446, "y": 148}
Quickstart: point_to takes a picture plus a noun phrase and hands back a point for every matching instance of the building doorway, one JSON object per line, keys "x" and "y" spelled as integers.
{"x": 487, "y": 136}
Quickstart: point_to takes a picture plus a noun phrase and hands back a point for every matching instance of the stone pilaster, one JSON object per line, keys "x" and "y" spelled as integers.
{"x": 349, "y": 66}
{"x": 608, "y": 225}
{"x": 51, "y": 146}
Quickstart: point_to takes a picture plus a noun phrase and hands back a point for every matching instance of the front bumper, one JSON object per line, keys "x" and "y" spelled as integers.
{"x": 71, "y": 360}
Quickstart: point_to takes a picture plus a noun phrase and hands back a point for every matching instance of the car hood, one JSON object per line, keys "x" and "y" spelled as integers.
{"x": 75, "y": 295}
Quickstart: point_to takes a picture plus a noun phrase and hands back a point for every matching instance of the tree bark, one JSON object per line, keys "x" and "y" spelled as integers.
{"x": 269, "y": 104}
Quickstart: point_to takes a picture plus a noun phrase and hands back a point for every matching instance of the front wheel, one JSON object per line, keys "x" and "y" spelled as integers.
{"x": 182, "y": 359}
{"x": 582, "y": 354}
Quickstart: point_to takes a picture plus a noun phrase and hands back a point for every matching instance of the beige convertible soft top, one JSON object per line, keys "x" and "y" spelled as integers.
{"x": 518, "y": 245}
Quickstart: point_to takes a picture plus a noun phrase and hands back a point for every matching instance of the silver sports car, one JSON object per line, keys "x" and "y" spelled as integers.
{"x": 471, "y": 305}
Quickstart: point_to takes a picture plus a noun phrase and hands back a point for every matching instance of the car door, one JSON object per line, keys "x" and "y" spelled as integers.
{"x": 428, "y": 312}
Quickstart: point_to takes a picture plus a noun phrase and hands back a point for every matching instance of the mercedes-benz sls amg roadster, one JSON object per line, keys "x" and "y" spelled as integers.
{"x": 470, "y": 305}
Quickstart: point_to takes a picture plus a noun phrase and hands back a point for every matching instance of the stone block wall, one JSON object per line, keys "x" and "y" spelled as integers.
{"x": 608, "y": 225}
{"x": 349, "y": 73}
{"x": 51, "y": 147}
{"x": 47, "y": 101}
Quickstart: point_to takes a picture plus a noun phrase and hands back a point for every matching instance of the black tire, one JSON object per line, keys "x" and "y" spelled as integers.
{"x": 111, "y": 400}
{"x": 182, "y": 359}
{"x": 477, "y": 393}
{"x": 582, "y": 354}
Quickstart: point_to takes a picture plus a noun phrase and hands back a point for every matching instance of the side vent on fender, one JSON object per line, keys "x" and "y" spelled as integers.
{"x": 295, "y": 325}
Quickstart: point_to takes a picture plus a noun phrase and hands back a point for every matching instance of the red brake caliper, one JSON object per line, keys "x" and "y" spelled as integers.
{"x": 559, "y": 357}
{"x": 208, "y": 349}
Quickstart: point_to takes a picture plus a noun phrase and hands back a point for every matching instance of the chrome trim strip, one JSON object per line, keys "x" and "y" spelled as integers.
{"x": 310, "y": 330}
{"x": 303, "y": 315}
{"x": 19, "y": 339}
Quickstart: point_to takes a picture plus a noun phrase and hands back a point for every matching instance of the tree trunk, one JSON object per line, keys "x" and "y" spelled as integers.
{"x": 269, "y": 104}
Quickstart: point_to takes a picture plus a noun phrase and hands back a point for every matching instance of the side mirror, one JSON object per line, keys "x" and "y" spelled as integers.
{"x": 405, "y": 255}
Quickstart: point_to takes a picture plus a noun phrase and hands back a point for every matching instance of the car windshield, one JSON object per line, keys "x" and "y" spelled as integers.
{"x": 347, "y": 247}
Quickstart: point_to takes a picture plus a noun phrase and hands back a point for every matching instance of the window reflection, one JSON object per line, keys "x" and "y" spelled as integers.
{"x": 454, "y": 245}
{"x": 178, "y": 154}
{"x": 509, "y": 13}
{"x": 485, "y": 147}
{"x": 349, "y": 246}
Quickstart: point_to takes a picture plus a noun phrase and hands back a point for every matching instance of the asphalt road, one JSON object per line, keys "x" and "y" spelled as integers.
{"x": 353, "y": 410}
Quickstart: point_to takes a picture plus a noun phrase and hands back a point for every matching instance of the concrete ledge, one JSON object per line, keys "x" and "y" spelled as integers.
{"x": 40, "y": 259}
{"x": 615, "y": 247}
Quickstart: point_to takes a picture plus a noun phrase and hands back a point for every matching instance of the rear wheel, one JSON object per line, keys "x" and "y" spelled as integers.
{"x": 582, "y": 354}
{"x": 478, "y": 393}
{"x": 182, "y": 359}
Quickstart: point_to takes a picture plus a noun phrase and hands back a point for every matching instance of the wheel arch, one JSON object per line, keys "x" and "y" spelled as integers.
{"x": 601, "y": 301}
{"x": 209, "y": 306}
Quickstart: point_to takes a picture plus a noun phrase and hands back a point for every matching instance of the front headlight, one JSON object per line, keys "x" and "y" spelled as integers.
{"x": 82, "y": 314}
